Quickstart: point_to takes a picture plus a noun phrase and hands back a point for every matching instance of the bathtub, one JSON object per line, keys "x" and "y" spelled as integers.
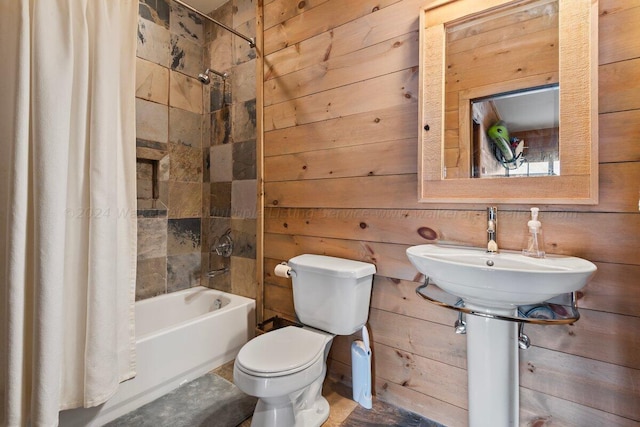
{"x": 179, "y": 337}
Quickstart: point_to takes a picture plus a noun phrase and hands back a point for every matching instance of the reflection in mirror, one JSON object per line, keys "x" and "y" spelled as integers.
{"x": 511, "y": 49}
{"x": 516, "y": 133}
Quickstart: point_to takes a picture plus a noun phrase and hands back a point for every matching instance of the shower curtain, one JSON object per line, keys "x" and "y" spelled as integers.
{"x": 67, "y": 205}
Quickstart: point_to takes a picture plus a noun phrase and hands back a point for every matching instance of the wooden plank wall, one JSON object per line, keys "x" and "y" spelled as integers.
{"x": 340, "y": 144}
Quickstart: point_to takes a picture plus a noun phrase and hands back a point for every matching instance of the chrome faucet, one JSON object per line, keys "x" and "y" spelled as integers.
{"x": 492, "y": 229}
{"x": 223, "y": 245}
{"x": 213, "y": 273}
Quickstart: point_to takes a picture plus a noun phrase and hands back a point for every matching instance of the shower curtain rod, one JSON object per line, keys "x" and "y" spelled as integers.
{"x": 251, "y": 41}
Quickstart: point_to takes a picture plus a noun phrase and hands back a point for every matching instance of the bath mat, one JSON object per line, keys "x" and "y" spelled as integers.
{"x": 204, "y": 402}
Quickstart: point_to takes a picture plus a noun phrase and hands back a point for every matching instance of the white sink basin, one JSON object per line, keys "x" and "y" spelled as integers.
{"x": 505, "y": 279}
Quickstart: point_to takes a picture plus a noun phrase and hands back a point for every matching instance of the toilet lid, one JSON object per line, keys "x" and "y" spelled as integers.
{"x": 283, "y": 351}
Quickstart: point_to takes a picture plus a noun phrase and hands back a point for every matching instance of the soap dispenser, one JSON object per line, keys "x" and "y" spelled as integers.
{"x": 534, "y": 244}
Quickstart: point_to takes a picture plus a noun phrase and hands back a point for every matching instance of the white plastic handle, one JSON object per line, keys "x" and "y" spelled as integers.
{"x": 365, "y": 338}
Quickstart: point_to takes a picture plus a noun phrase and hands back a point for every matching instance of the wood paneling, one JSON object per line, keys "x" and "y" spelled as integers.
{"x": 617, "y": 91}
{"x": 614, "y": 334}
{"x": 393, "y": 90}
{"x": 339, "y": 163}
{"x": 619, "y": 192}
{"x": 615, "y": 289}
{"x": 540, "y": 409}
{"x": 369, "y": 127}
{"x": 260, "y": 269}
{"x": 618, "y": 33}
{"x": 603, "y": 386}
{"x": 382, "y": 58}
{"x": 616, "y": 130}
{"x": 322, "y": 18}
{"x": 282, "y": 10}
{"x": 575, "y": 233}
{"x": 340, "y": 147}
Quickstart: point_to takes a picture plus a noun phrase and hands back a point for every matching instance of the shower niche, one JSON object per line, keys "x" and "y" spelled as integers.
{"x": 150, "y": 161}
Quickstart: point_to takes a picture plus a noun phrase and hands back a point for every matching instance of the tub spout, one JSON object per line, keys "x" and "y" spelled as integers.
{"x": 218, "y": 272}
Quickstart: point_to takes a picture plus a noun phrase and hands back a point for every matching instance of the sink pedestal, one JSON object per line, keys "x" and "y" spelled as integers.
{"x": 492, "y": 370}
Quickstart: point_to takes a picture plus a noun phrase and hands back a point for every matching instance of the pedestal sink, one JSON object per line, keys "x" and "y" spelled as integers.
{"x": 495, "y": 284}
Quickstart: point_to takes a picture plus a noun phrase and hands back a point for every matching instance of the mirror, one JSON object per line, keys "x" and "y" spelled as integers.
{"x": 515, "y": 134}
{"x": 508, "y": 92}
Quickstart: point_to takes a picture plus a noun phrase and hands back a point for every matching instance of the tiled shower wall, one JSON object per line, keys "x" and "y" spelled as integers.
{"x": 179, "y": 211}
{"x": 230, "y": 188}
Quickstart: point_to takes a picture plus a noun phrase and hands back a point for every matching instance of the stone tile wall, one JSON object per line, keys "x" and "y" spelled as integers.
{"x": 197, "y": 160}
{"x": 230, "y": 186}
{"x": 169, "y": 140}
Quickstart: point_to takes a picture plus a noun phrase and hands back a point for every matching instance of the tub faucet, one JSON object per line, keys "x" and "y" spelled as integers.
{"x": 223, "y": 245}
{"x": 492, "y": 229}
{"x": 213, "y": 273}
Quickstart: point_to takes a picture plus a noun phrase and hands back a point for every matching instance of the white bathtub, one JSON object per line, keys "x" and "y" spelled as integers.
{"x": 180, "y": 336}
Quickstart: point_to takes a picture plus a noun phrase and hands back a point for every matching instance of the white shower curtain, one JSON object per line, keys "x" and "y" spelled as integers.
{"x": 67, "y": 205}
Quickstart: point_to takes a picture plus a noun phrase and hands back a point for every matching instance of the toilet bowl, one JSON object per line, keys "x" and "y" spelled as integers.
{"x": 285, "y": 368}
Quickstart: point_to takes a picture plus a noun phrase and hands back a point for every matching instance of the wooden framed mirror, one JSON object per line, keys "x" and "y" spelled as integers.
{"x": 526, "y": 69}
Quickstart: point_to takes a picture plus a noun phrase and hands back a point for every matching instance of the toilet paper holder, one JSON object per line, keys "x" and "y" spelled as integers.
{"x": 283, "y": 270}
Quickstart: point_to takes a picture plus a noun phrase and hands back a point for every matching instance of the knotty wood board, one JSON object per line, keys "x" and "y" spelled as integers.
{"x": 387, "y": 124}
{"x": 276, "y": 11}
{"x": 574, "y": 233}
{"x": 321, "y": 18}
{"x": 334, "y": 71}
{"x": 619, "y": 92}
{"x": 339, "y": 162}
{"x": 618, "y": 182}
{"x": 391, "y": 90}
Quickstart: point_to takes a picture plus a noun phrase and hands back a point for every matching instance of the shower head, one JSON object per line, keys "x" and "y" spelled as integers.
{"x": 205, "y": 79}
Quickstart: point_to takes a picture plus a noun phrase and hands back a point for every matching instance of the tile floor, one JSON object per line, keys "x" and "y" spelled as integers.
{"x": 213, "y": 401}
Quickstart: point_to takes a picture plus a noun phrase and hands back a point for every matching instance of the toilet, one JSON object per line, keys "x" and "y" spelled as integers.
{"x": 285, "y": 368}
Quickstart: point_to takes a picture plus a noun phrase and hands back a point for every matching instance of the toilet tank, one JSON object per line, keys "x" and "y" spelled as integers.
{"x": 332, "y": 294}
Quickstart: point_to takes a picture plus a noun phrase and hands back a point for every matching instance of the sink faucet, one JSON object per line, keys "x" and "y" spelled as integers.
{"x": 492, "y": 229}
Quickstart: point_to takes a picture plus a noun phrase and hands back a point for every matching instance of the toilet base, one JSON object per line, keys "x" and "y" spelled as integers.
{"x": 315, "y": 416}
{"x": 281, "y": 414}
{"x": 273, "y": 412}
{"x": 303, "y": 408}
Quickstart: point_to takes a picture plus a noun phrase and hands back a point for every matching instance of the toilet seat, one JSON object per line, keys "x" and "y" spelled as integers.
{"x": 282, "y": 352}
